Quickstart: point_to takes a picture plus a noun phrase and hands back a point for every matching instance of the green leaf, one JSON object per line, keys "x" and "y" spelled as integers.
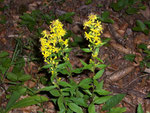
{"x": 67, "y": 17}
{"x": 146, "y": 31}
{"x": 99, "y": 60}
{"x": 64, "y": 84}
{"x": 96, "y": 51}
{"x": 83, "y": 63}
{"x": 61, "y": 104}
{"x": 100, "y": 100}
{"x": 141, "y": 6}
{"x": 48, "y": 88}
{"x": 14, "y": 97}
{"x": 117, "y": 110}
{"x": 6, "y": 62}
{"x": 148, "y": 96}
{"x": 69, "y": 111}
{"x": 4, "y": 54}
{"x": 87, "y": 50}
{"x": 139, "y": 109}
{"x": 98, "y": 74}
{"x": 79, "y": 101}
{"x": 67, "y": 50}
{"x": 147, "y": 23}
{"x": 77, "y": 70}
{"x": 27, "y": 17}
{"x": 3, "y": 69}
{"x": 55, "y": 92}
{"x": 28, "y": 20}
{"x": 141, "y": 27}
{"x": 3, "y": 19}
{"x": 19, "y": 64}
{"x": 131, "y": 10}
{"x": 129, "y": 57}
{"x": 30, "y": 101}
{"x": 36, "y": 14}
{"x": 63, "y": 71}
{"x": 1, "y": 0}
{"x": 47, "y": 66}
{"x": 48, "y": 17}
{"x": 61, "y": 66}
{"x": 88, "y": 2}
{"x": 102, "y": 92}
{"x": 105, "y": 17}
{"x": 77, "y": 41}
{"x": 136, "y": 28}
{"x": 113, "y": 101}
{"x": 105, "y": 14}
{"x": 12, "y": 77}
{"x": 91, "y": 108}
{"x": 85, "y": 83}
{"x": 105, "y": 40}
{"x": 101, "y": 66}
{"x": 131, "y": 2}
{"x": 148, "y": 64}
{"x": 40, "y": 112}
{"x": 24, "y": 77}
{"x": 99, "y": 85}
{"x": 65, "y": 94}
{"x": 100, "y": 5}
{"x": 89, "y": 67}
{"x": 142, "y": 46}
{"x": 88, "y": 92}
{"x": 119, "y": 5}
{"x": 75, "y": 108}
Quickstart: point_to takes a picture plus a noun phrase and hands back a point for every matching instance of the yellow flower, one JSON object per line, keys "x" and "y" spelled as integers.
{"x": 52, "y": 42}
{"x": 92, "y": 17}
{"x": 95, "y": 30}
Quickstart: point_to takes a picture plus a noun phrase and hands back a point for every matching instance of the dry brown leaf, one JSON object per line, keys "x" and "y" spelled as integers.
{"x": 138, "y": 58}
{"x": 121, "y": 32}
{"x": 115, "y": 26}
{"x": 76, "y": 29}
{"x": 3, "y": 40}
{"x": 116, "y": 36}
{"x": 30, "y": 84}
{"x": 121, "y": 73}
{"x": 121, "y": 48}
{"x": 146, "y": 13}
{"x": 124, "y": 26}
{"x": 141, "y": 38}
{"x": 122, "y": 29}
{"x": 147, "y": 108}
{"x": 107, "y": 34}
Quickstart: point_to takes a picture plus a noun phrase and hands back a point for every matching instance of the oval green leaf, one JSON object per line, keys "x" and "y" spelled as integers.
{"x": 75, "y": 108}
{"x": 99, "y": 74}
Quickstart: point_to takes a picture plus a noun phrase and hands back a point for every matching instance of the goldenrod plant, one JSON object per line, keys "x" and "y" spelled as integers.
{"x": 53, "y": 47}
{"x": 68, "y": 95}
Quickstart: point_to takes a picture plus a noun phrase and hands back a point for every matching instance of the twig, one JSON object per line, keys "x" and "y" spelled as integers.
{"x": 134, "y": 80}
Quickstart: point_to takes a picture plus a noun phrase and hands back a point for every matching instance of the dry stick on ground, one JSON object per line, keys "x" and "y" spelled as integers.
{"x": 128, "y": 84}
{"x": 118, "y": 42}
{"x": 121, "y": 73}
{"x": 118, "y": 38}
{"x": 130, "y": 91}
{"x": 120, "y": 48}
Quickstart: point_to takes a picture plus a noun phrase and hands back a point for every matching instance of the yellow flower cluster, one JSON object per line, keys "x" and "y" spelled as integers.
{"x": 52, "y": 42}
{"x": 95, "y": 30}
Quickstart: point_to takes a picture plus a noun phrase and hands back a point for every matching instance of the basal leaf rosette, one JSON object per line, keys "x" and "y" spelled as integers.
{"x": 52, "y": 44}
